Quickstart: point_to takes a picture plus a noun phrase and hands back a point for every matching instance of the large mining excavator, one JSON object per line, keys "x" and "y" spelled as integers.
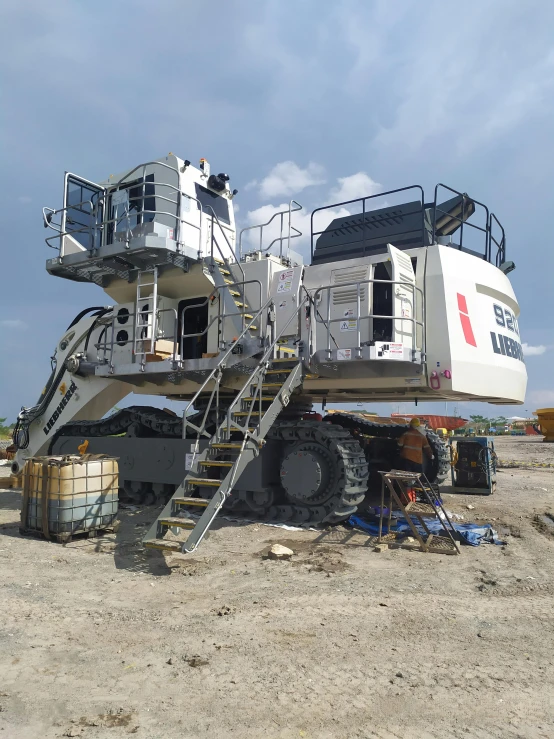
{"x": 404, "y": 299}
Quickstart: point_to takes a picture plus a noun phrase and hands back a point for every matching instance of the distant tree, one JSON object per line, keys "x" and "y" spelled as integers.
{"x": 5, "y": 430}
{"x": 479, "y": 420}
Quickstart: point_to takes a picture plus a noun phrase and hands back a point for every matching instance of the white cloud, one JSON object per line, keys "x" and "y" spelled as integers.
{"x": 346, "y": 188}
{"x": 530, "y": 351}
{"x": 540, "y": 398}
{"x": 354, "y": 186}
{"x": 287, "y": 179}
{"x": 14, "y": 323}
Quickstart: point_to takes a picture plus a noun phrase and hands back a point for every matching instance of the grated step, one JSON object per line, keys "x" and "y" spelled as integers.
{"x": 226, "y": 445}
{"x": 204, "y": 481}
{"x": 285, "y": 371}
{"x": 248, "y": 413}
{"x": 215, "y": 463}
{"x": 200, "y": 502}
{"x": 180, "y": 523}
{"x": 167, "y": 546}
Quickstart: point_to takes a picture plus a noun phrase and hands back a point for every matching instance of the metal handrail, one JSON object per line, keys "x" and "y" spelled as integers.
{"x": 261, "y": 366}
{"x": 414, "y": 321}
{"x": 112, "y": 342}
{"x": 500, "y": 247}
{"x": 220, "y": 316}
{"x": 486, "y": 229}
{"x": 464, "y": 197}
{"x": 217, "y": 370}
{"x": 281, "y": 238}
{"x": 362, "y": 200}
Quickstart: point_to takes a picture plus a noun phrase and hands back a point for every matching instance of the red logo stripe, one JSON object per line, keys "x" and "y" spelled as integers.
{"x": 465, "y": 321}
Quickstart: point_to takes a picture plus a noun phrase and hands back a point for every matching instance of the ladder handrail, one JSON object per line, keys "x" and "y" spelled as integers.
{"x": 213, "y": 373}
{"x": 261, "y": 226}
{"x": 261, "y": 365}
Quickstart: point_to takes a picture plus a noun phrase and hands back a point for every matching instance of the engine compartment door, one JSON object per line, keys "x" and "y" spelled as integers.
{"x": 404, "y": 298}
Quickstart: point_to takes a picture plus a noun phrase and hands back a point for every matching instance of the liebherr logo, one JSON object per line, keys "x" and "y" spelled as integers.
{"x": 58, "y": 412}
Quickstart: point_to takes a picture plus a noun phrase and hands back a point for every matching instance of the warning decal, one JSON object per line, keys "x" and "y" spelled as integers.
{"x": 343, "y": 354}
{"x": 285, "y": 281}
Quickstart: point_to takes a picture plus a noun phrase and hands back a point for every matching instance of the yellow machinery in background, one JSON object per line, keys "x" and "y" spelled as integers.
{"x": 546, "y": 422}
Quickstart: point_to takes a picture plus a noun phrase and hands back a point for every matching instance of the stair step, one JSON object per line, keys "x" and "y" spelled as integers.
{"x": 284, "y": 359}
{"x": 224, "y": 271}
{"x": 285, "y": 371}
{"x": 234, "y": 293}
{"x": 268, "y": 399}
{"x": 204, "y": 482}
{"x": 199, "y": 502}
{"x": 272, "y": 384}
{"x": 226, "y": 445}
{"x": 180, "y": 523}
{"x": 215, "y": 463}
{"x": 248, "y": 413}
{"x": 168, "y": 546}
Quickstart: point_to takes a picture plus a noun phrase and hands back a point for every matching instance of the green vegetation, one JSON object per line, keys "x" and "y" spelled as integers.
{"x": 5, "y": 431}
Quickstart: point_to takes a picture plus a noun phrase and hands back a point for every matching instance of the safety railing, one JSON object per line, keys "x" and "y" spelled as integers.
{"x": 328, "y": 321}
{"x": 221, "y": 315}
{"x": 255, "y": 381}
{"x": 451, "y": 220}
{"x": 423, "y": 224}
{"x": 499, "y": 242}
{"x": 287, "y": 231}
{"x": 369, "y": 222}
{"x": 215, "y": 377}
{"x": 105, "y": 349}
{"x": 102, "y": 230}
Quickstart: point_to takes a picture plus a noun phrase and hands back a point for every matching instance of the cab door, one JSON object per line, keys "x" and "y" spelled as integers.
{"x": 82, "y": 215}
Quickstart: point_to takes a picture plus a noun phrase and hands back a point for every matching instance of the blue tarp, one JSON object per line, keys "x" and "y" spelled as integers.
{"x": 468, "y": 533}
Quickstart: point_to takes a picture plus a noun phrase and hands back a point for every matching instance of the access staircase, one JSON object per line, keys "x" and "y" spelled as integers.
{"x": 235, "y": 443}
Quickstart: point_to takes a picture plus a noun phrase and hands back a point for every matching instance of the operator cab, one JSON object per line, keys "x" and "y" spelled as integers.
{"x": 162, "y": 212}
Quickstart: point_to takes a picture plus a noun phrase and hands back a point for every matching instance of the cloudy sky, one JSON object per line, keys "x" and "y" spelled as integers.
{"x": 318, "y": 99}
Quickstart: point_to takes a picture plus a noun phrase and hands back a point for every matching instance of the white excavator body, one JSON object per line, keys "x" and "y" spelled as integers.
{"x": 394, "y": 306}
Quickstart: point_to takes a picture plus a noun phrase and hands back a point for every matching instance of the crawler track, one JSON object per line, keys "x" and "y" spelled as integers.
{"x": 345, "y": 452}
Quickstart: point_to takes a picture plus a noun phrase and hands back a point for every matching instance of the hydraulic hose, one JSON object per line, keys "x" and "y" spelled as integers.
{"x": 20, "y": 435}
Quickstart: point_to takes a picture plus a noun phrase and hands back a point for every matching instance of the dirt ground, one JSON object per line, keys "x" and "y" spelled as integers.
{"x": 99, "y": 639}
